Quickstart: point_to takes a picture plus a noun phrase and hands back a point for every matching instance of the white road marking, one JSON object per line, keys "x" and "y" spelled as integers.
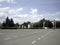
{"x": 45, "y": 34}
{"x": 38, "y": 38}
{"x": 41, "y": 37}
{"x": 33, "y": 42}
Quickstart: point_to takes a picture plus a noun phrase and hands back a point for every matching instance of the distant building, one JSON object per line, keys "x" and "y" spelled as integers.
{"x": 29, "y": 25}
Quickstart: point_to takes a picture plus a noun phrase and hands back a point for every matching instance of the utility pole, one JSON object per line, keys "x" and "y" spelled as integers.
{"x": 43, "y": 24}
{"x": 54, "y": 24}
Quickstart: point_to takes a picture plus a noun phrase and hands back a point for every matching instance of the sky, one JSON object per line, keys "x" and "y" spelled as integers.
{"x": 29, "y": 10}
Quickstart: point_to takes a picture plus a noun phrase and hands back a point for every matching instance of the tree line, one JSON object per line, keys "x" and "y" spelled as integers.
{"x": 43, "y": 22}
{"x": 9, "y": 23}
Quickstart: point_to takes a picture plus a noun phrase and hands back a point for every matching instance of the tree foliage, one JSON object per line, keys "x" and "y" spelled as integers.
{"x": 48, "y": 24}
{"x": 8, "y": 23}
{"x": 57, "y": 24}
{"x": 41, "y": 23}
{"x": 26, "y": 24}
{"x": 11, "y": 23}
{"x": 35, "y": 25}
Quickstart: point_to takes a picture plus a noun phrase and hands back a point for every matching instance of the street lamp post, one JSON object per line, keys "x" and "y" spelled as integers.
{"x": 43, "y": 24}
{"x": 54, "y": 25}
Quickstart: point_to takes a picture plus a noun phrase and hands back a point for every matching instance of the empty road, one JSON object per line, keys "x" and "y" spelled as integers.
{"x": 29, "y": 37}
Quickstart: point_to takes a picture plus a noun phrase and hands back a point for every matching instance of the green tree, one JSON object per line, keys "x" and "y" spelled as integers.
{"x": 11, "y": 23}
{"x": 7, "y": 22}
{"x": 57, "y": 24}
{"x": 26, "y": 24}
{"x": 41, "y": 23}
{"x": 4, "y": 24}
{"x": 48, "y": 24}
{"x": 17, "y": 25}
{"x": 35, "y": 25}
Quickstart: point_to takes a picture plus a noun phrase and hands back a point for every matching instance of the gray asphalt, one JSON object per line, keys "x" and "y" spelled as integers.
{"x": 30, "y": 37}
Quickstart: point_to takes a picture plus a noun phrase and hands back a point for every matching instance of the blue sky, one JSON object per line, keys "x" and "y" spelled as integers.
{"x": 29, "y": 10}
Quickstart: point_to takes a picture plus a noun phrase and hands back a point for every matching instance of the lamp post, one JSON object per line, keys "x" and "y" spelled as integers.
{"x": 54, "y": 24}
{"x": 43, "y": 24}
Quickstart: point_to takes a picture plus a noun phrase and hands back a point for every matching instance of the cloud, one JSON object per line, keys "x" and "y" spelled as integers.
{"x": 26, "y": 17}
{"x": 11, "y": 1}
{"x": 12, "y": 11}
{"x": 2, "y": 1}
{"x": 15, "y": 11}
{"x": 3, "y": 11}
{"x": 57, "y": 19}
{"x": 20, "y": 9}
{"x": 7, "y": 11}
{"x": 34, "y": 11}
{"x": 51, "y": 16}
{"x": 8, "y": 1}
{"x": 20, "y": 18}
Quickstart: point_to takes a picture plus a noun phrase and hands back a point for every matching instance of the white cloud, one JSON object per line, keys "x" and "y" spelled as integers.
{"x": 20, "y": 9}
{"x": 8, "y": 1}
{"x": 26, "y": 17}
{"x": 3, "y": 11}
{"x": 34, "y": 11}
{"x": 15, "y": 11}
{"x": 9, "y": 11}
{"x": 12, "y": 11}
{"x": 57, "y": 19}
{"x": 20, "y": 18}
{"x": 11, "y": 1}
{"x": 57, "y": 13}
{"x": 2, "y": 14}
{"x": 2, "y": 1}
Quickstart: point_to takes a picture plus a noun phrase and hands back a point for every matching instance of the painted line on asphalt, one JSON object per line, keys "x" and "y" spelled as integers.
{"x": 41, "y": 37}
{"x": 45, "y": 35}
{"x": 38, "y": 38}
{"x": 33, "y": 42}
